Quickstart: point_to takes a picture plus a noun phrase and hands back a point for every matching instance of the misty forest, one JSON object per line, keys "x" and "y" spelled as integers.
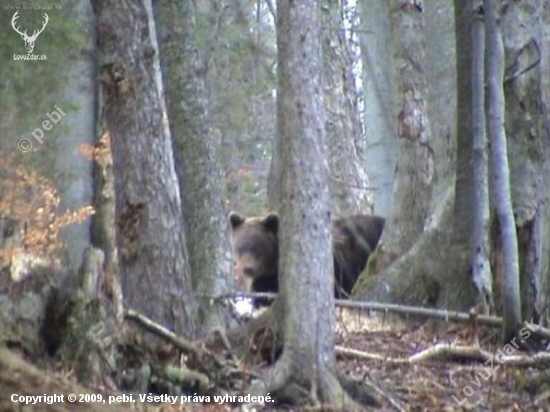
{"x": 229, "y": 205}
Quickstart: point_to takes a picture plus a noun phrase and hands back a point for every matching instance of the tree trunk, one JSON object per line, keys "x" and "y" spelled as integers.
{"x": 464, "y": 183}
{"x": 414, "y": 178}
{"x": 196, "y": 164}
{"x": 481, "y": 269}
{"x": 150, "y": 236}
{"x": 306, "y": 280}
{"x": 435, "y": 270}
{"x": 441, "y": 78}
{"x": 463, "y": 218}
{"x": 500, "y": 172}
{"x": 348, "y": 181}
{"x": 542, "y": 305}
{"x": 104, "y": 219}
{"x": 526, "y": 38}
{"x": 381, "y": 144}
{"x": 274, "y": 181}
{"x": 72, "y": 171}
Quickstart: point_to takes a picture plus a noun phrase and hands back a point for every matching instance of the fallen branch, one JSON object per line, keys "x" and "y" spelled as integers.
{"x": 446, "y": 315}
{"x": 476, "y": 354}
{"x": 447, "y": 351}
{"x": 354, "y": 353}
{"x": 179, "y": 342}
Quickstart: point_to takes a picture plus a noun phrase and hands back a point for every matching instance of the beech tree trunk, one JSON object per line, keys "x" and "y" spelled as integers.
{"x": 481, "y": 269}
{"x": 464, "y": 183}
{"x": 435, "y": 270}
{"x": 348, "y": 182}
{"x": 150, "y": 236}
{"x": 464, "y": 214}
{"x": 500, "y": 172}
{"x": 197, "y": 168}
{"x": 306, "y": 266}
{"x": 526, "y": 38}
{"x": 379, "y": 98}
{"x": 74, "y": 173}
{"x": 414, "y": 177}
{"x": 306, "y": 272}
{"x": 274, "y": 182}
{"x": 542, "y": 223}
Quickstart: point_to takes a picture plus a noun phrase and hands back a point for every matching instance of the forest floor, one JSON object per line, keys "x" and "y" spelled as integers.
{"x": 444, "y": 383}
{"x": 376, "y": 349}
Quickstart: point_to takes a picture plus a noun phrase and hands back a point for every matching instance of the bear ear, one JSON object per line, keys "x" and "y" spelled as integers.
{"x": 236, "y": 220}
{"x": 271, "y": 222}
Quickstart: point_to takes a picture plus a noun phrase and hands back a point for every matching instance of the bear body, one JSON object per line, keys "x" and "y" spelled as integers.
{"x": 256, "y": 250}
{"x": 354, "y": 238}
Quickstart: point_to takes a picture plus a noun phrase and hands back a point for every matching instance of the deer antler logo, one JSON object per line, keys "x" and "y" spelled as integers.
{"x": 29, "y": 40}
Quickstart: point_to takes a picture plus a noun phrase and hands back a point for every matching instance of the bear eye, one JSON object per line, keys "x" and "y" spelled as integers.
{"x": 248, "y": 272}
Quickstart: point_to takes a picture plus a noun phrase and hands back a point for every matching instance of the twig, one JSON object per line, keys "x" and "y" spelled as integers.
{"x": 387, "y": 397}
{"x": 354, "y": 353}
{"x": 531, "y": 66}
{"x": 179, "y": 342}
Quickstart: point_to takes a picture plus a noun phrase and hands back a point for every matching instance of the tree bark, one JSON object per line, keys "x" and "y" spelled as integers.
{"x": 500, "y": 173}
{"x": 306, "y": 273}
{"x": 378, "y": 94}
{"x": 274, "y": 183}
{"x": 150, "y": 236}
{"x": 526, "y": 38}
{"x": 196, "y": 162}
{"x": 441, "y": 78}
{"x": 73, "y": 173}
{"x": 348, "y": 181}
{"x": 481, "y": 269}
{"x": 464, "y": 183}
{"x": 435, "y": 270}
{"x": 104, "y": 219}
{"x": 542, "y": 305}
{"x": 414, "y": 178}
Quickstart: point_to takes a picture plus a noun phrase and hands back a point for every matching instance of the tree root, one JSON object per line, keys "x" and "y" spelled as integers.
{"x": 325, "y": 388}
{"x": 434, "y": 272}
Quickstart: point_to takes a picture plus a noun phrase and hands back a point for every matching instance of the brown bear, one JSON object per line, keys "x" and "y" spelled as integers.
{"x": 256, "y": 250}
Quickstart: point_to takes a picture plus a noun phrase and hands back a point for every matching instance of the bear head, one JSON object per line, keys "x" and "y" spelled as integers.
{"x": 255, "y": 251}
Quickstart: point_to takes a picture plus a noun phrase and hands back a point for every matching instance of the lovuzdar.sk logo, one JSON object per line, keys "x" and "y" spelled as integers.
{"x": 29, "y": 40}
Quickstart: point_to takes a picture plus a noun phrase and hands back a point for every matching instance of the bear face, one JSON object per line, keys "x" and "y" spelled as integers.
{"x": 256, "y": 250}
